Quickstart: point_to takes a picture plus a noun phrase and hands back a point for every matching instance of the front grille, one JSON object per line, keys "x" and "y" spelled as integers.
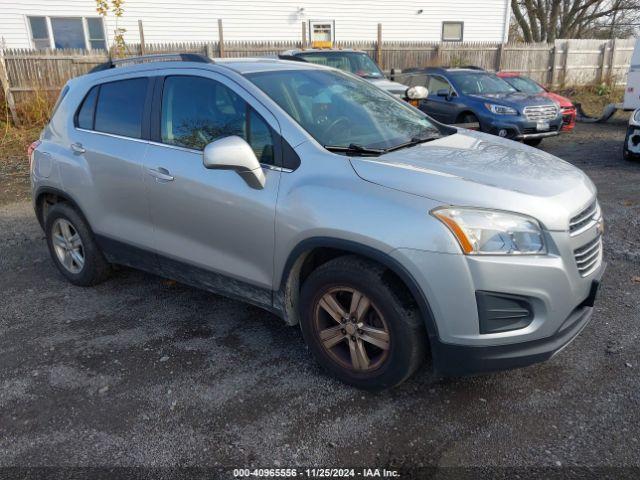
{"x": 589, "y": 256}
{"x": 541, "y": 112}
{"x": 584, "y": 219}
{"x": 527, "y": 131}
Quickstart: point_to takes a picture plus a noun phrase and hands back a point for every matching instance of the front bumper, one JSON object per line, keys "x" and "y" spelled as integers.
{"x": 519, "y": 128}
{"x": 460, "y": 360}
{"x": 558, "y": 296}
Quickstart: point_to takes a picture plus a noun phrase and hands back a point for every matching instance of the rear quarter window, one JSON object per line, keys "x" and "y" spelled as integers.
{"x": 84, "y": 117}
{"x": 120, "y": 107}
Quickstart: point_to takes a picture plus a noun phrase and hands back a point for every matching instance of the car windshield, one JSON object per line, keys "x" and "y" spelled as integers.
{"x": 524, "y": 84}
{"x": 481, "y": 83}
{"x": 352, "y": 62}
{"x": 340, "y": 110}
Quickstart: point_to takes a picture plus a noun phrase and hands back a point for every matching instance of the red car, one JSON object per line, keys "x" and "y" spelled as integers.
{"x": 527, "y": 85}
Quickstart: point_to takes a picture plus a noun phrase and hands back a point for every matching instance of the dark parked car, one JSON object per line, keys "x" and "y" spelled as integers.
{"x": 472, "y": 95}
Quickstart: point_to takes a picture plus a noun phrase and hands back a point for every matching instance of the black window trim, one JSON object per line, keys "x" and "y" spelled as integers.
{"x": 146, "y": 111}
{"x": 452, "y": 23}
{"x": 280, "y": 145}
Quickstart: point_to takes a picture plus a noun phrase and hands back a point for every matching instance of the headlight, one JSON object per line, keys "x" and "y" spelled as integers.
{"x": 500, "y": 109}
{"x": 492, "y": 232}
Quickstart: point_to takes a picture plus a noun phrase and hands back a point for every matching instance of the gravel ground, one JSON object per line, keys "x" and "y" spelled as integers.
{"x": 141, "y": 371}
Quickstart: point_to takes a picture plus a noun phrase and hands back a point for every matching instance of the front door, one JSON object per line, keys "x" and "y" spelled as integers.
{"x": 443, "y": 109}
{"x": 211, "y": 228}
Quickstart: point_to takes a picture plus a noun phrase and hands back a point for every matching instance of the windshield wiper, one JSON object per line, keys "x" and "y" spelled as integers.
{"x": 414, "y": 141}
{"x": 355, "y": 149}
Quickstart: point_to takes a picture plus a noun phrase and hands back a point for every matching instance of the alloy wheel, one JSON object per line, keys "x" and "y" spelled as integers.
{"x": 351, "y": 329}
{"x": 68, "y": 245}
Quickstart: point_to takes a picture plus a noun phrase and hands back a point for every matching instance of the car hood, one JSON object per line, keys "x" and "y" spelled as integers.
{"x": 475, "y": 169}
{"x": 391, "y": 87}
{"x": 563, "y": 101}
{"x": 515, "y": 99}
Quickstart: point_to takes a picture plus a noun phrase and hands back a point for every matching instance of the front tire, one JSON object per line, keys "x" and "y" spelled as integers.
{"x": 360, "y": 325}
{"x": 73, "y": 248}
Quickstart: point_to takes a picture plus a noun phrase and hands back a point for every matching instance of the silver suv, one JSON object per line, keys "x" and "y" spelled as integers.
{"x": 307, "y": 191}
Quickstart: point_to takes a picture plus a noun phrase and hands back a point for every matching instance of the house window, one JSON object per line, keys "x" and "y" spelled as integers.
{"x": 452, "y": 31}
{"x": 39, "y": 32}
{"x": 321, "y": 33}
{"x": 95, "y": 36}
{"x": 67, "y": 32}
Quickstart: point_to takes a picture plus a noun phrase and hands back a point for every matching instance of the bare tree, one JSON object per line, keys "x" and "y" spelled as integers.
{"x": 546, "y": 20}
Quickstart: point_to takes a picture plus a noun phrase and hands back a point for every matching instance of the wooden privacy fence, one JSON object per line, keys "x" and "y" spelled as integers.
{"x": 566, "y": 62}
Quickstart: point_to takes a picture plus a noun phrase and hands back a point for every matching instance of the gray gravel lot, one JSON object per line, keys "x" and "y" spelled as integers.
{"x": 143, "y": 371}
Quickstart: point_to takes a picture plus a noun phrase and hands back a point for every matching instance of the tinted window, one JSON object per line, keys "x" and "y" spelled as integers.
{"x": 84, "y": 118}
{"x": 196, "y": 111}
{"x": 437, "y": 83}
{"x": 121, "y": 107}
{"x": 68, "y": 32}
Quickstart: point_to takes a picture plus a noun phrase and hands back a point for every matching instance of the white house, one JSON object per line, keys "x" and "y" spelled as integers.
{"x": 75, "y": 23}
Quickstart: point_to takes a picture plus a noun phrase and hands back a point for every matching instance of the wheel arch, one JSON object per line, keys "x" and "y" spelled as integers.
{"x": 464, "y": 113}
{"x": 293, "y": 275}
{"x": 51, "y": 195}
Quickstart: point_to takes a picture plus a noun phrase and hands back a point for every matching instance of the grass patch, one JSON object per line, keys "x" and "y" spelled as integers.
{"x": 594, "y": 98}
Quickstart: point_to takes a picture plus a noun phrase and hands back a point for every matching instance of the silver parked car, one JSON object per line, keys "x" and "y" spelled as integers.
{"x": 309, "y": 192}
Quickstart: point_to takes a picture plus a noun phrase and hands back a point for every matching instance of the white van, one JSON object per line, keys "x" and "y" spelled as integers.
{"x": 632, "y": 92}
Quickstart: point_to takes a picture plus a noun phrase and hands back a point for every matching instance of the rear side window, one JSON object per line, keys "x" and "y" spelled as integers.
{"x": 120, "y": 107}
{"x": 84, "y": 118}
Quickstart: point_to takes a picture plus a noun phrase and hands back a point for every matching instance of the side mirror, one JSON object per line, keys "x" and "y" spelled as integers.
{"x": 233, "y": 153}
{"x": 443, "y": 92}
{"x": 417, "y": 93}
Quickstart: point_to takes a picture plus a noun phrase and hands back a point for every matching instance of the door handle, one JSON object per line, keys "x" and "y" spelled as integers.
{"x": 161, "y": 174}
{"x": 78, "y": 148}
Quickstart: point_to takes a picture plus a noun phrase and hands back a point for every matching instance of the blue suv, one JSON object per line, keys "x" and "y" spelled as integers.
{"x": 473, "y": 95}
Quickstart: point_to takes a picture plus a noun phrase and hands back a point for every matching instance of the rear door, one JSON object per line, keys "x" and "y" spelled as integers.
{"x": 211, "y": 228}
{"x": 109, "y": 139}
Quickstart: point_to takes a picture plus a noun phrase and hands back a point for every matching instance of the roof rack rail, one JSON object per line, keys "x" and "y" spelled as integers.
{"x": 160, "y": 57}
{"x": 292, "y": 58}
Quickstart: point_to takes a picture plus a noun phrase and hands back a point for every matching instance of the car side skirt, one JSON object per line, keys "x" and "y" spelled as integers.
{"x": 122, "y": 253}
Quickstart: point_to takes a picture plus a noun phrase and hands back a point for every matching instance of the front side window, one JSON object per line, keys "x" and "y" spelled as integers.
{"x": 120, "y": 107}
{"x": 353, "y": 62}
{"x": 340, "y": 110}
{"x": 437, "y": 83}
{"x": 197, "y": 111}
{"x": 481, "y": 84}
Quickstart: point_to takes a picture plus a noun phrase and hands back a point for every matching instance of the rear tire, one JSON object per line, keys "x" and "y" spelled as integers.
{"x": 373, "y": 342}
{"x": 73, "y": 248}
{"x": 533, "y": 142}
